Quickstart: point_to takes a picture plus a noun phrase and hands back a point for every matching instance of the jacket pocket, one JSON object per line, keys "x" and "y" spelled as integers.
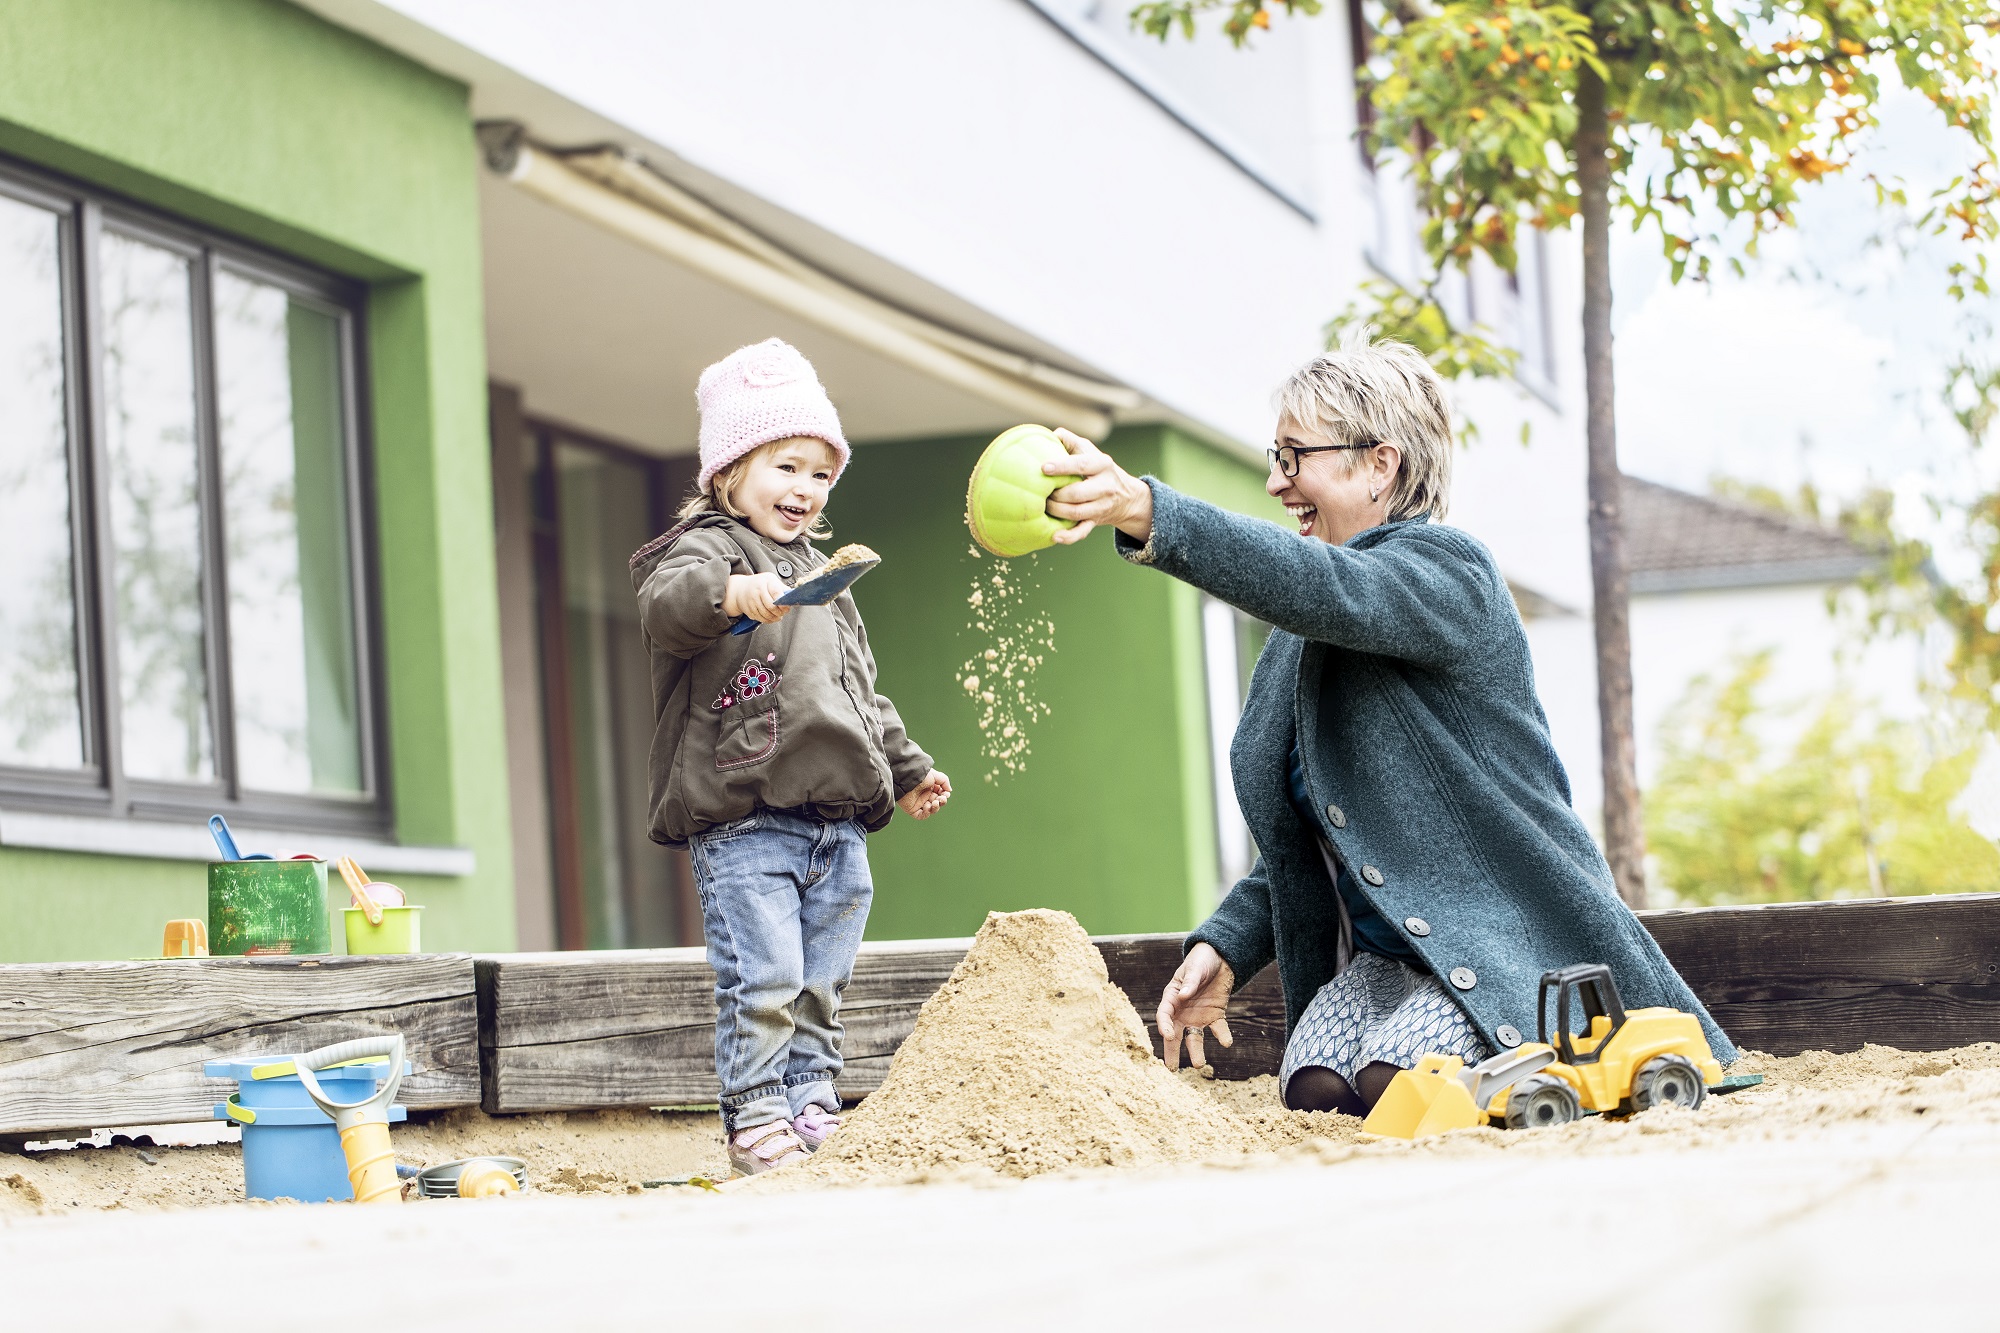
{"x": 747, "y": 738}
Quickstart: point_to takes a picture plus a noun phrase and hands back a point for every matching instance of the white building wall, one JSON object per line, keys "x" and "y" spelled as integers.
{"x": 1677, "y": 637}
{"x": 981, "y": 149}
{"x": 983, "y": 162}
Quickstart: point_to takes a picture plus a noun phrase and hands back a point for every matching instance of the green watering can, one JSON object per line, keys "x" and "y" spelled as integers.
{"x": 1006, "y": 505}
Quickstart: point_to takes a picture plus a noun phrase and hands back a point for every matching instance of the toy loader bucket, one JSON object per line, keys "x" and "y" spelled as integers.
{"x": 1423, "y": 1101}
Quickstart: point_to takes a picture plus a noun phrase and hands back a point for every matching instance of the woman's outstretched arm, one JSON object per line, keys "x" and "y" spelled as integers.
{"x": 1426, "y": 599}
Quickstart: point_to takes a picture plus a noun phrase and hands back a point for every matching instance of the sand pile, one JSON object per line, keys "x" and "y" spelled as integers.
{"x": 1027, "y": 1060}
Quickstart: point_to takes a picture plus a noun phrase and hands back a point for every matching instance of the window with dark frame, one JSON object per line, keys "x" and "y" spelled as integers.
{"x": 184, "y": 617}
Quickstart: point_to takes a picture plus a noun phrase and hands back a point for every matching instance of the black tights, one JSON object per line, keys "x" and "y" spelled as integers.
{"x": 1317, "y": 1088}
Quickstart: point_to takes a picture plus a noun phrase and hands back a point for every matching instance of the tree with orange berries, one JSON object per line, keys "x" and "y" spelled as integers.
{"x": 1705, "y": 119}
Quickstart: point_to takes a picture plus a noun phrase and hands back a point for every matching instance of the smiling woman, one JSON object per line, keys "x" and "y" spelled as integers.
{"x": 1420, "y": 866}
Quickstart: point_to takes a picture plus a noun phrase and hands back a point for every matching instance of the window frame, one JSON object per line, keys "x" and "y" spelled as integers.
{"x": 100, "y": 785}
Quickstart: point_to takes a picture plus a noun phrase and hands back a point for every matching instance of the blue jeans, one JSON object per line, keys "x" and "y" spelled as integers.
{"x": 783, "y": 903}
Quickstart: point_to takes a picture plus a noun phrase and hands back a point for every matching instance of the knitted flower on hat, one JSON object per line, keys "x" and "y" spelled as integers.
{"x": 757, "y": 394}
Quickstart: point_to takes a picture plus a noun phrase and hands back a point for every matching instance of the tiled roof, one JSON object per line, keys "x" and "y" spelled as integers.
{"x": 1676, "y": 541}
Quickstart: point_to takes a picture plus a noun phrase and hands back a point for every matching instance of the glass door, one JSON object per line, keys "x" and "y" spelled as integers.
{"x": 594, "y": 504}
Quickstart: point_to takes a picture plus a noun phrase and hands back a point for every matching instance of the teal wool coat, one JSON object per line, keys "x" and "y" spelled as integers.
{"x": 1400, "y": 663}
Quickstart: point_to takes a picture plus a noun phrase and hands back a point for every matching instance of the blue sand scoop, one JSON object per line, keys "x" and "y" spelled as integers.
{"x": 832, "y": 579}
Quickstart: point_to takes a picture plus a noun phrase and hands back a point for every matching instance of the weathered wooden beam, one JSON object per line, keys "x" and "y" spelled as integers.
{"x": 571, "y": 1030}
{"x": 1922, "y": 974}
{"x": 636, "y": 1027}
{"x": 87, "y": 1045}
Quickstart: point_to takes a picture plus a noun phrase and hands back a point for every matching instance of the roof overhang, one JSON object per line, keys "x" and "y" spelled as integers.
{"x": 607, "y": 327}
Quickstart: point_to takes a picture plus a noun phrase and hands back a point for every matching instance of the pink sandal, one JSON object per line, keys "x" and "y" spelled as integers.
{"x": 765, "y": 1147}
{"x": 814, "y": 1126}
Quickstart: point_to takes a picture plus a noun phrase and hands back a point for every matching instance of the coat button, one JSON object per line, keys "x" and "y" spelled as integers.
{"x": 1508, "y": 1034}
{"x": 1464, "y": 978}
{"x": 1417, "y": 926}
{"x": 1372, "y": 875}
{"x": 1336, "y": 816}
{"x": 784, "y": 569}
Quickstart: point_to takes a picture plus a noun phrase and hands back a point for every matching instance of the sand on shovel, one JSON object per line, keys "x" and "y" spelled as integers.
{"x": 1027, "y": 1060}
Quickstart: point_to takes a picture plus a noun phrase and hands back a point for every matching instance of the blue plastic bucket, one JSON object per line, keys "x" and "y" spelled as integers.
{"x": 290, "y": 1148}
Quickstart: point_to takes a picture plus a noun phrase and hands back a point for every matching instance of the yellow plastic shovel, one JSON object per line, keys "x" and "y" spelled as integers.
{"x": 363, "y": 1125}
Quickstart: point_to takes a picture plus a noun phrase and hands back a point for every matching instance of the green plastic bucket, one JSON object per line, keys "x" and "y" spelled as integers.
{"x": 268, "y": 907}
{"x": 401, "y": 931}
{"x": 1006, "y": 503}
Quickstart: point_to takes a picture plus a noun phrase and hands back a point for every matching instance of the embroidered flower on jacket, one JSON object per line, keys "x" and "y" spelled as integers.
{"x": 755, "y": 680}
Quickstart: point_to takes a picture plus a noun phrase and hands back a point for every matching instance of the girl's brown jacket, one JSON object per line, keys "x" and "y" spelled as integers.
{"x": 785, "y": 717}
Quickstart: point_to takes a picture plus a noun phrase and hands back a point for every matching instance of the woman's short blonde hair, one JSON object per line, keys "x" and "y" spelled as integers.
{"x": 1380, "y": 390}
{"x": 717, "y": 498}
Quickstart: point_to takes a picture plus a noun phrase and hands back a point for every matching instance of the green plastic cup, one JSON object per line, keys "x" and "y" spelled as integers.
{"x": 401, "y": 931}
{"x": 1006, "y": 504}
{"x": 268, "y": 907}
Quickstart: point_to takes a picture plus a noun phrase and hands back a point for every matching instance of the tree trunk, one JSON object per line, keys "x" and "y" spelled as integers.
{"x": 1624, "y": 833}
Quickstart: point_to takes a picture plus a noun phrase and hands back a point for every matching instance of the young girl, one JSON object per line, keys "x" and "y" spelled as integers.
{"x": 772, "y": 756}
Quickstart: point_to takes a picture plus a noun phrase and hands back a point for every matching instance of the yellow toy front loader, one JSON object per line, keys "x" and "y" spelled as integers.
{"x": 1621, "y": 1061}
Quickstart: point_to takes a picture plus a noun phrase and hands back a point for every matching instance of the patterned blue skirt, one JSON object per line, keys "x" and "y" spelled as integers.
{"x": 1383, "y": 1010}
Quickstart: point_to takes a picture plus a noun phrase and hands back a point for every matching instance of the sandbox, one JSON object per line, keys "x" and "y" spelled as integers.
{"x": 1029, "y": 1062}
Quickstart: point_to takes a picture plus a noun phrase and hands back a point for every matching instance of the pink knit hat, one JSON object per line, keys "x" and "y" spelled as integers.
{"x": 757, "y": 394}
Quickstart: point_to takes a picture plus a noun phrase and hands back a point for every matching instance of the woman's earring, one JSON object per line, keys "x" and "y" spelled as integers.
{"x": 1373, "y": 496}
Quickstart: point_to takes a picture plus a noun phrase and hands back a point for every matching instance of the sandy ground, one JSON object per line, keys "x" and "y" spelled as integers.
{"x": 1804, "y": 1098}
{"x": 601, "y": 1152}
{"x": 1028, "y": 1161}
{"x": 1849, "y": 1192}
{"x": 1859, "y": 1225}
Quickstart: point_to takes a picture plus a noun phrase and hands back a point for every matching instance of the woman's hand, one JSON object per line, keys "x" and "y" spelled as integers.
{"x": 755, "y": 596}
{"x": 927, "y": 797}
{"x": 1107, "y": 495}
{"x": 1196, "y": 998}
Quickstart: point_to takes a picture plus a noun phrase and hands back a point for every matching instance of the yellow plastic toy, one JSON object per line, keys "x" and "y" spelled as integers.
{"x": 363, "y": 1125}
{"x": 1623, "y": 1061}
{"x": 486, "y": 1179}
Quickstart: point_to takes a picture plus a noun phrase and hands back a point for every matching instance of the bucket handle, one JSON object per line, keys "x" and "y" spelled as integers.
{"x": 346, "y": 1114}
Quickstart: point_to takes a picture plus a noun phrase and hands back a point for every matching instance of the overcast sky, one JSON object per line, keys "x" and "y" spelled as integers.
{"x": 1824, "y": 361}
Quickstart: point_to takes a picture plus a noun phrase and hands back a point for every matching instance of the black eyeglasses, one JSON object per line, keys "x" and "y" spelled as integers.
{"x": 1285, "y": 457}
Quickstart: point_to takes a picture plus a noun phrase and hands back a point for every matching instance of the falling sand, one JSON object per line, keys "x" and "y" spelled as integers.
{"x": 999, "y": 677}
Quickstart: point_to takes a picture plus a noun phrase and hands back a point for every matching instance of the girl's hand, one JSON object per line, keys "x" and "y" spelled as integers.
{"x": 1108, "y": 494}
{"x": 927, "y": 797}
{"x": 1197, "y": 998}
{"x": 755, "y": 596}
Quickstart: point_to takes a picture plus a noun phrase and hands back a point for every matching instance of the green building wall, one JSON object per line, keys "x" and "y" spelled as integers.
{"x": 1113, "y": 818}
{"x": 264, "y": 121}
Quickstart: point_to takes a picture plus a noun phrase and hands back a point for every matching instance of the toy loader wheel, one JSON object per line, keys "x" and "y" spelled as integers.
{"x": 1667, "y": 1080}
{"x": 1541, "y": 1100}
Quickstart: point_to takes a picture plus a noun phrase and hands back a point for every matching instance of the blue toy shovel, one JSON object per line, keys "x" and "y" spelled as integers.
{"x": 828, "y": 582}
{"x": 225, "y": 842}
